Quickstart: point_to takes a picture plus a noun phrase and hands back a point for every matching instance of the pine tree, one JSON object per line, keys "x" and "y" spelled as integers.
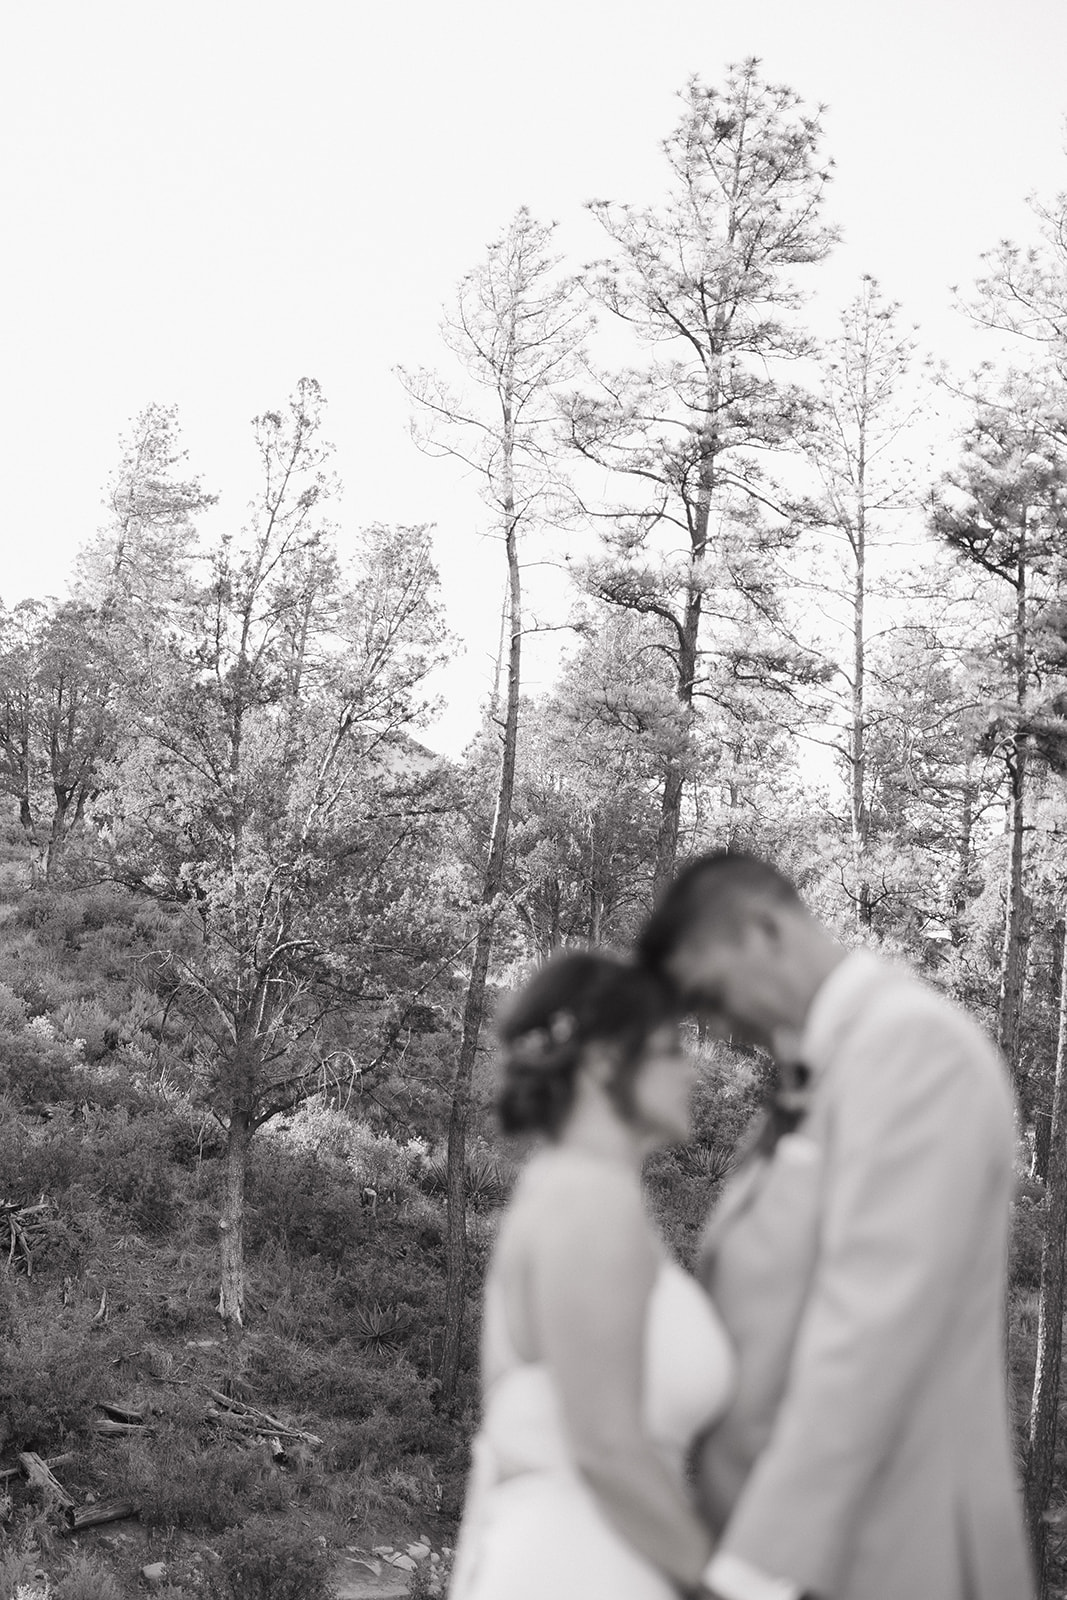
{"x": 705, "y": 284}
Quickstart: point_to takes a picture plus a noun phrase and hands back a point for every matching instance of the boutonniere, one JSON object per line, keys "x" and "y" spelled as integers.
{"x": 787, "y": 1104}
{"x": 793, "y": 1092}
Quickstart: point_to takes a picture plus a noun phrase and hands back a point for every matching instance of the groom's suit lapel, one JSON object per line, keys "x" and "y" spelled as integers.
{"x": 740, "y": 1191}
{"x": 821, "y": 1044}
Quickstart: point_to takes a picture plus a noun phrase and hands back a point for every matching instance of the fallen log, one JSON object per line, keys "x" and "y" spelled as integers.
{"x": 23, "y": 1224}
{"x": 119, "y": 1413}
{"x": 108, "y": 1428}
{"x": 7, "y": 1473}
{"x": 240, "y": 1414}
{"x": 37, "y": 1472}
{"x": 106, "y": 1511}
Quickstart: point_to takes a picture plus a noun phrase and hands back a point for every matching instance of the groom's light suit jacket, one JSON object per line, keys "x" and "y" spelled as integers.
{"x": 861, "y": 1272}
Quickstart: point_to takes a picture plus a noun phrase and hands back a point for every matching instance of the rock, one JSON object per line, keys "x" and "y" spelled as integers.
{"x": 154, "y": 1574}
{"x": 382, "y": 1550}
{"x": 358, "y": 1586}
{"x": 372, "y": 1563}
{"x": 419, "y": 1552}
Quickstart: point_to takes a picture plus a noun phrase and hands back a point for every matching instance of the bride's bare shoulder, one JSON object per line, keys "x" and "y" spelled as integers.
{"x": 571, "y": 1192}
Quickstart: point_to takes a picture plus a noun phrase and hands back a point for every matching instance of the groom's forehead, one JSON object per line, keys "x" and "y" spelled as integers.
{"x": 718, "y": 926}
{"x": 701, "y": 954}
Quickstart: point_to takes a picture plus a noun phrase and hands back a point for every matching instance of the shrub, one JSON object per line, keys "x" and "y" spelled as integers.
{"x": 34, "y": 1066}
{"x": 192, "y": 1135}
{"x": 311, "y": 1204}
{"x": 427, "y": 1219}
{"x": 395, "y": 1409}
{"x": 129, "y": 1165}
{"x": 17, "y": 1569}
{"x": 14, "y": 1011}
{"x": 86, "y": 1579}
{"x": 431, "y": 1578}
{"x": 380, "y": 1328}
{"x": 372, "y": 1159}
{"x": 54, "y": 1368}
{"x": 1027, "y": 1230}
{"x": 489, "y": 1178}
{"x": 180, "y": 1482}
{"x": 35, "y": 1160}
{"x": 263, "y": 1561}
{"x": 86, "y": 1023}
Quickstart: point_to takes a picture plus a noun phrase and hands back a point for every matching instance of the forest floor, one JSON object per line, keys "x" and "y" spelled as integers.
{"x": 343, "y": 1301}
{"x": 187, "y": 1559}
{"x": 362, "y": 1546}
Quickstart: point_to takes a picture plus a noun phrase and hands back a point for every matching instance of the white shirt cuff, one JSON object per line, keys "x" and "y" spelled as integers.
{"x": 737, "y": 1579}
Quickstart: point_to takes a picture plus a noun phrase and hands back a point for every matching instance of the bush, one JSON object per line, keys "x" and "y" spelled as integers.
{"x": 180, "y": 1482}
{"x": 489, "y": 1177}
{"x": 192, "y": 1136}
{"x": 129, "y": 1165}
{"x": 34, "y": 1066}
{"x": 372, "y": 1159}
{"x": 395, "y": 1411}
{"x": 54, "y": 1368}
{"x": 14, "y": 1011}
{"x": 431, "y": 1578}
{"x": 17, "y": 1568}
{"x": 1027, "y": 1230}
{"x": 86, "y": 1024}
{"x": 86, "y": 1579}
{"x": 263, "y": 1561}
{"x": 38, "y": 1160}
{"x": 310, "y": 1204}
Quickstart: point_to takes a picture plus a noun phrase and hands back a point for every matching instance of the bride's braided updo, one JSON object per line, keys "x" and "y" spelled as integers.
{"x": 577, "y": 999}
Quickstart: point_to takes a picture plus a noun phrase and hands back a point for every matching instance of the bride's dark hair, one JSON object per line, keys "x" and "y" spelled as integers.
{"x": 576, "y": 999}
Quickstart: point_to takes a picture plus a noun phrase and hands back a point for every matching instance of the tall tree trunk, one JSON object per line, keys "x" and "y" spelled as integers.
{"x": 1044, "y": 1405}
{"x": 1013, "y": 970}
{"x": 596, "y": 909}
{"x": 689, "y": 638}
{"x": 964, "y": 850}
{"x": 858, "y": 727}
{"x": 670, "y": 822}
{"x": 474, "y": 1005}
{"x": 232, "y": 1226}
{"x": 56, "y": 835}
{"x": 1042, "y": 1114}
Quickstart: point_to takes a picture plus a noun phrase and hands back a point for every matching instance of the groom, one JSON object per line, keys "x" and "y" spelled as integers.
{"x": 857, "y": 1258}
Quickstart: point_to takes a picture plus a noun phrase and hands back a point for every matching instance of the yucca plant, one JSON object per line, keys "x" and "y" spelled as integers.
{"x": 380, "y": 1328}
{"x": 486, "y": 1180}
{"x": 708, "y": 1163}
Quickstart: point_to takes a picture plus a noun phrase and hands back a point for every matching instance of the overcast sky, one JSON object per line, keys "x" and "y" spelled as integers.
{"x": 202, "y": 202}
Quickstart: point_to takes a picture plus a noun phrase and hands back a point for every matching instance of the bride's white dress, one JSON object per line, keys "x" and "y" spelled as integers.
{"x": 532, "y": 1528}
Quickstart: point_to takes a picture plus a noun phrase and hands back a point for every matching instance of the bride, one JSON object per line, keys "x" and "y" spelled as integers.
{"x": 601, "y": 1359}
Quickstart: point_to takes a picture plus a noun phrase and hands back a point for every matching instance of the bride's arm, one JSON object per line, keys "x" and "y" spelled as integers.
{"x": 594, "y": 1262}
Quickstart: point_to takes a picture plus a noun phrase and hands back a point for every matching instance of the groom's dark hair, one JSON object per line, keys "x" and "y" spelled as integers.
{"x": 716, "y": 892}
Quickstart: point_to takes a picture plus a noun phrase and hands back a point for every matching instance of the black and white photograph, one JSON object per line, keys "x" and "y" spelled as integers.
{"x": 533, "y": 800}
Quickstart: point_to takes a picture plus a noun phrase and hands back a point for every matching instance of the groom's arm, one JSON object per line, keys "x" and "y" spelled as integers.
{"x": 922, "y": 1139}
